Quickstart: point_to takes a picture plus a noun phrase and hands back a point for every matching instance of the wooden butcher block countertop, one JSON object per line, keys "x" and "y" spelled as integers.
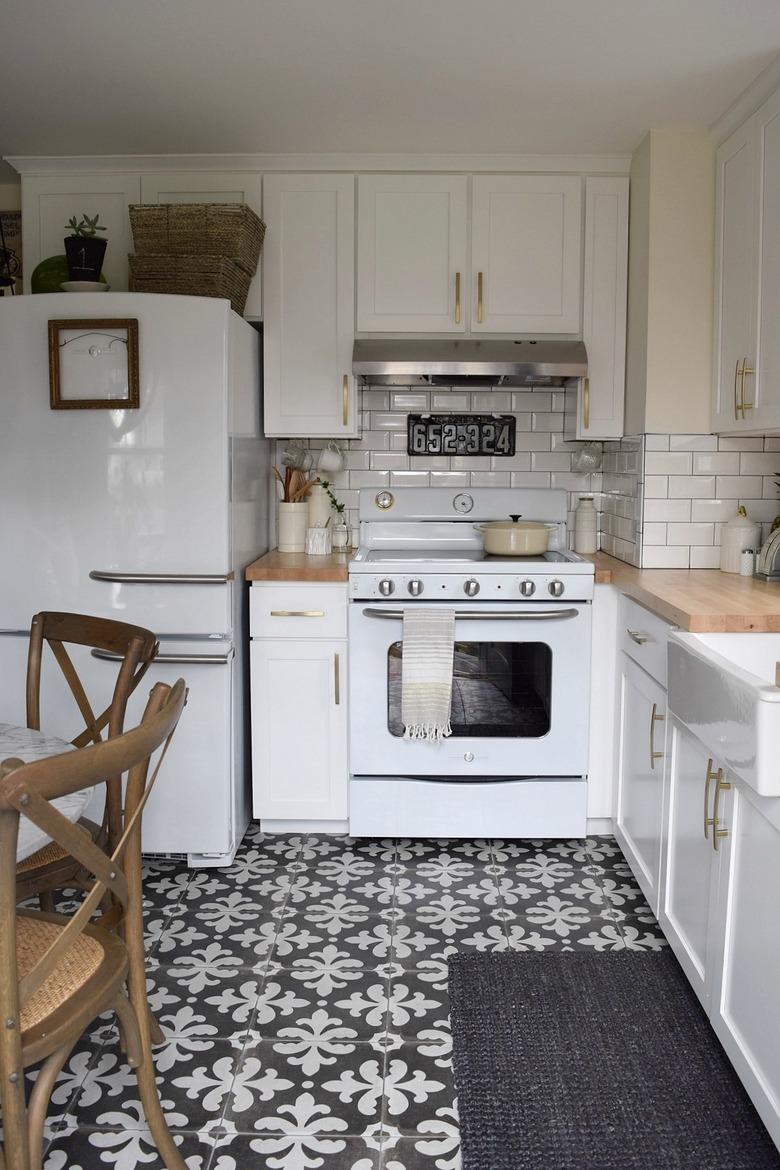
{"x": 279, "y": 566}
{"x": 699, "y": 600}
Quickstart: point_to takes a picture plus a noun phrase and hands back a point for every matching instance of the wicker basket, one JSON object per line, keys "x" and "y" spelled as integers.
{"x": 193, "y": 276}
{"x": 231, "y": 230}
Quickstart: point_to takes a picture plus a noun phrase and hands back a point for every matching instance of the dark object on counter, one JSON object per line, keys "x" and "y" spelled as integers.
{"x": 595, "y": 1061}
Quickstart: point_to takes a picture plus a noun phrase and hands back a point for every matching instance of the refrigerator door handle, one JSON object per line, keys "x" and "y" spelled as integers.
{"x": 162, "y": 578}
{"x": 174, "y": 659}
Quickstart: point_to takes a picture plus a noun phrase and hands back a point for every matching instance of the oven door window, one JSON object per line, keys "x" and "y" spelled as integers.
{"x": 500, "y": 690}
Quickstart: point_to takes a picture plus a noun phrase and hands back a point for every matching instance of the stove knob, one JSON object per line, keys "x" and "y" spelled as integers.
{"x": 415, "y": 588}
{"x": 556, "y": 588}
{"x": 386, "y": 587}
{"x": 527, "y": 588}
{"x": 471, "y": 588}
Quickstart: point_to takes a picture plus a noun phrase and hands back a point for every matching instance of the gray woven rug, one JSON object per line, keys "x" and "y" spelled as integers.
{"x": 572, "y": 1061}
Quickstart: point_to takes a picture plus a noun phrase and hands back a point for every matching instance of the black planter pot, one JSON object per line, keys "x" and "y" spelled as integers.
{"x": 85, "y": 256}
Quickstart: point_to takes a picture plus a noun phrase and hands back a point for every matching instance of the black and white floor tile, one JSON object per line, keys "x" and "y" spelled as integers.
{"x": 303, "y": 993}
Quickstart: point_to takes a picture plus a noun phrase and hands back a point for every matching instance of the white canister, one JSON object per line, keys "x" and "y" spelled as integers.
{"x": 586, "y": 526}
{"x": 293, "y": 522}
{"x": 737, "y": 534}
{"x": 319, "y": 506}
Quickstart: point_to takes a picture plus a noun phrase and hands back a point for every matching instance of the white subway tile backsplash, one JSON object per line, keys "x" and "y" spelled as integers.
{"x": 409, "y": 400}
{"x": 389, "y": 461}
{"x": 653, "y": 534}
{"x": 571, "y": 480}
{"x": 375, "y": 400}
{"x": 668, "y": 463}
{"x": 387, "y": 421}
{"x": 713, "y": 511}
{"x": 372, "y": 441}
{"x": 657, "y": 442}
{"x": 717, "y": 463}
{"x": 520, "y": 461}
{"x": 690, "y": 533}
{"x": 693, "y": 442}
{"x": 691, "y": 486}
{"x": 540, "y": 479}
{"x": 755, "y": 463}
{"x": 491, "y": 479}
{"x": 705, "y": 558}
{"x": 357, "y": 460}
{"x": 533, "y": 441}
{"x": 679, "y": 510}
{"x": 491, "y": 401}
{"x": 670, "y": 557}
{"x": 450, "y": 479}
{"x": 450, "y": 400}
{"x": 547, "y": 422}
{"x": 530, "y": 400}
{"x": 551, "y": 461}
{"x": 734, "y": 487}
{"x": 470, "y": 462}
{"x": 368, "y": 479}
{"x": 656, "y": 487}
{"x": 409, "y": 478}
{"x": 740, "y": 443}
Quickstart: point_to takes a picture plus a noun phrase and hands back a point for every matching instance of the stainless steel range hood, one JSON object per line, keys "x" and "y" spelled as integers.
{"x": 483, "y": 363}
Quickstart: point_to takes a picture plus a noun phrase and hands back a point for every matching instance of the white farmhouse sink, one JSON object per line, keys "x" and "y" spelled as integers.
{"x": 721, "y": 686}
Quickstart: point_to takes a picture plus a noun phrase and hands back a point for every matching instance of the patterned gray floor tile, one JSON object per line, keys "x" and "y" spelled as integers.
{"x": 419, "y": 1088}
{"x": 307, "y": 1003}
{"x": 436, "y": 1146}
{"x": 418, "y": 1009}
{"x": 121, "y": 1149}
{"x": 295, "y": 1151}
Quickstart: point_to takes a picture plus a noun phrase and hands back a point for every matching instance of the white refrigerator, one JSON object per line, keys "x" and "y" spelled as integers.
{"x": 149, "y": 516}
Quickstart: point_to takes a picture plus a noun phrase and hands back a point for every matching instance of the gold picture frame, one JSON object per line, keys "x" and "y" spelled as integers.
{"x": 93, "y": 364}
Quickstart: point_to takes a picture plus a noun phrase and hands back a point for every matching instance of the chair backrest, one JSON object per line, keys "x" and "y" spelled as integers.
{"x": 28, "y": 789}
{"x": 133, "y": 646}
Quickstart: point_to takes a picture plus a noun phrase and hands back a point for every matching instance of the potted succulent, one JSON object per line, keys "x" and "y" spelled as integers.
{"x": 83, "y": 249}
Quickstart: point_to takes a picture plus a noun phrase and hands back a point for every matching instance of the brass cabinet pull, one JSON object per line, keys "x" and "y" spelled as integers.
{"x": 638, "y": 636}
{"x": 337, "y": 679}
{"x": 736, "y": 393}
{"x": 586, "y": 404}
{"x": 297, "y": 613}
{"x": 747, "y": 371}
{"x": 480, "y": 304}
{"x": 654, "y": 718}
{"x": 457, "y": 298}
{"x": 345, "y": 400}
{"x": 721, "y": 785}
{"x": 716, "y": 776}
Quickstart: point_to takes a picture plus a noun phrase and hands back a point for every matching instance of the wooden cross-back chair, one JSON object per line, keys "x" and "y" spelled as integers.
{"x": 58, "y": 972}
{"x": 50, "y": 868}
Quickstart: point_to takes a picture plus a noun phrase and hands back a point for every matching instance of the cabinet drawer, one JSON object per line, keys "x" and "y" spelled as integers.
{"x": 643, "y": 637}
{"x": 298, "y": 611}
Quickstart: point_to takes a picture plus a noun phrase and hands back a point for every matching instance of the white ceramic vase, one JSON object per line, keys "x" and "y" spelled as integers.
{"x": 293, "y": 523}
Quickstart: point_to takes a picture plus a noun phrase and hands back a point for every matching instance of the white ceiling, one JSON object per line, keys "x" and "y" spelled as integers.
{"x": 472, "y": 76}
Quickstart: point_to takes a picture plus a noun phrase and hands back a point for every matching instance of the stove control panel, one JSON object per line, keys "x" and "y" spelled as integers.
{"x": 461, "y": 589}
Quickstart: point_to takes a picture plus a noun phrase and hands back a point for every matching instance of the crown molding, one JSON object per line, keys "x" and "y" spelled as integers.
{"x": 747, "y": 103}
{"x": 611, "y": 164}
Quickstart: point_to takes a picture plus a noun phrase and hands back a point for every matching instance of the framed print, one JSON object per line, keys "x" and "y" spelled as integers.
{"x": 93, "y": 364}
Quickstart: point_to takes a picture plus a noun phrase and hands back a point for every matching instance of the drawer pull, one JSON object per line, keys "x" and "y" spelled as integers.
{"x": 337, "y": 679}
{"x": 718, "y": 833}
{"x": 638, "y": 636}
{"x": 654, "y": 718}
{"x": 297, "y": 613}
{"x": 716, "y": 776}
{"x": 457, "y": 298}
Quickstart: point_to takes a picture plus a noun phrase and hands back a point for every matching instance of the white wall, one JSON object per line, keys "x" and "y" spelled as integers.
{"x": 10, "y": 196}
{"x": 669, "y": 356}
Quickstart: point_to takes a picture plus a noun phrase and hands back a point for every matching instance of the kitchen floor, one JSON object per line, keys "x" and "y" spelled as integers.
{"x": 303, "y": 992}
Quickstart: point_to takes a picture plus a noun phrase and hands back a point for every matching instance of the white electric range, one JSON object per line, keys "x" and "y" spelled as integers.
{"x": 516, "y": 762}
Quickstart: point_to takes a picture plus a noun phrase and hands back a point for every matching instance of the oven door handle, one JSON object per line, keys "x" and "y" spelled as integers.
{"x": 486, "y": 615}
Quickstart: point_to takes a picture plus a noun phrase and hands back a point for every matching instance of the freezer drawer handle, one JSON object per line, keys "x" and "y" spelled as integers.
{"x": 161, "y": 578}
{"x": 485, "y": 615}
{"x": 173, "y": 659}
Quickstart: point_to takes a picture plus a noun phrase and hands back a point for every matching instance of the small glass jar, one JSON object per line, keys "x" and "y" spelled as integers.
{"x": 340, "y": 537}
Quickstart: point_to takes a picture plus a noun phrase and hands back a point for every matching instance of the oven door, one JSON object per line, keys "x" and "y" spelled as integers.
{"x": 520, "y": 692}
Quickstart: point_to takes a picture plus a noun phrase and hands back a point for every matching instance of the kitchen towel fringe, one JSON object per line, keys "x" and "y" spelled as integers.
{"x": 426, "y": 676}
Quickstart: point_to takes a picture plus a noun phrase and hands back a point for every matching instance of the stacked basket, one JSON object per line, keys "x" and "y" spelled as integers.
{"x": 198, "y": 249}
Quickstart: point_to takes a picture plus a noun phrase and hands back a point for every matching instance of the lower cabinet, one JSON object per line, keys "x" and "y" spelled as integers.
{"x": 687, "y": 910}
{"x": 298, "y": 677}
{"x": 641, "y": 768}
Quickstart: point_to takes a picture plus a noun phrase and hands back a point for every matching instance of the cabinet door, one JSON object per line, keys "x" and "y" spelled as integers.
{"x": 687, "y": 887}
{"x": 299, "y": 729}
{"x": 641, "y": 776}
{"x": 745, "y": 1007}
{"x": 211, "y": 187}
{"x": 308, "y": 298}
{"x": 48, "y": 202}
{"x": 525, "y": 253}
{"x": 605, "y": 291}
{"x": 735, "y": 277}
{"x": 763, "y": 356}
{"x": 412, "y": 253}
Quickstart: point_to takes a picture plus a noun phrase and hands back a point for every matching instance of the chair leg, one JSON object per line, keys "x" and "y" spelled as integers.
{"x": 147, "y": 1086}
{"x": 15, "y": 1135}
{"x": 46, "y": 901}
{"x": 39, "y": 1102}
{"x": 156, "y": 1034}
{"x": 130, "y": 1037}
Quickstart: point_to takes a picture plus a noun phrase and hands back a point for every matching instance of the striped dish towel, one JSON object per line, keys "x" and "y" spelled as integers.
{"x": 426, "y": 677}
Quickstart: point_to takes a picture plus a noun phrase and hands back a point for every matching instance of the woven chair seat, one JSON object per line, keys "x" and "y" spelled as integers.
{"x": 51, "y": 853}
{"x": 34, "y": 936}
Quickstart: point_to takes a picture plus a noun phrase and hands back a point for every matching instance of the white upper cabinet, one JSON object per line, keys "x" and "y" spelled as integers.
{"x": 747, "y": 274}
{"x": 211, "y": 187}
{"x": 525, "y": 254}
{"x": 412, "y": 253}
{"x": 308, "y": 294}
{"x": 48, "y": 202}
